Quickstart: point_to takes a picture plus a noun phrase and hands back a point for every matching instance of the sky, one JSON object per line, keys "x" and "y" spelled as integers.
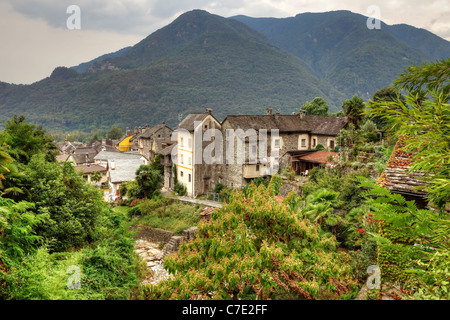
{"x": 38, "y": 36}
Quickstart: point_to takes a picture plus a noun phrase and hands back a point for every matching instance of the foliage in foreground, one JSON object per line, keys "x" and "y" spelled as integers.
{"x": 413, "y": 244}
{"x": 109, "y": 269}
{"x": 256, "y": 247}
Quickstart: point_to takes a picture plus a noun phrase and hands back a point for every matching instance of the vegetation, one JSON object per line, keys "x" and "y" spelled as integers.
{"x": 54, "y": 224}
{"x": 114, "y": 133}
{"x": 244, "y": 252}
{"x": 318, "y": 106}
{"x": 164, "y": 213}
{"x": 149, "y": 180}
{"x": 424, "y": 122}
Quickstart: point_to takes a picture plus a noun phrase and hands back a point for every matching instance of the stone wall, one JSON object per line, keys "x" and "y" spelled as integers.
{"x": 152, "y": 234}
{"x": 172, "y": 242}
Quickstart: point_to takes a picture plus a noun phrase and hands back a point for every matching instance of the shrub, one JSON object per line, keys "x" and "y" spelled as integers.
{"x": 180, "y": 189}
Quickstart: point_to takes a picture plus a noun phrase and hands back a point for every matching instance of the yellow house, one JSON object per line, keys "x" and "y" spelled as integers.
{"x": 125, "y": 143}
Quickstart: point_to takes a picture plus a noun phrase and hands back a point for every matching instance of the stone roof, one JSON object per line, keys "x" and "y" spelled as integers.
{"x": 62, "y": 157}
{"x": 147, "y": 134}
{"x": 112, "y": 155}
{"x": 319, "y": 156}
{"x": 321, "y": 125}
{"x": 90, "y": 168}
{"x": 84, "y": 155}
{"x": 168, "y": 150}
{"x": 188, "y": 122}
{"x": 124, "y": 169}
{"x": 396, "y": 176}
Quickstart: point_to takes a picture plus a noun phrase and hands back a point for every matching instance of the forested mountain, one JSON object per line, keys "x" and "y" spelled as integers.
{"x": 199, "y": 61}
{"x": 232, "y": 65}
{"x": 340, "y": 48}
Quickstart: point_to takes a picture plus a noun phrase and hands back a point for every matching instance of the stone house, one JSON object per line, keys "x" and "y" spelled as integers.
{"x": 150, "y": 141}
{"x": 285, "y": 135}
{"x": 197, "y": 175}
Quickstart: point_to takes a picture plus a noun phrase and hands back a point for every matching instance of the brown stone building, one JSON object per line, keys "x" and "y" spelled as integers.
{"x": 150, "y": 141}
{"x": 297, "y": 134}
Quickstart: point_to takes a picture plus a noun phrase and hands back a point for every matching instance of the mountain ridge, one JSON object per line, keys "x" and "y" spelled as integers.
{"x": 202, "y": 60}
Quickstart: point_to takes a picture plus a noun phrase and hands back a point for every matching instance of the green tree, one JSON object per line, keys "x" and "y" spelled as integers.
{"x": 423, "y": 122}
{"x": 26, "y": 140}
{"x": 256, "y": 247}
{"x": 157, "y": 165}
{"x": 96, "y": 176}
{"x": 149, "y": 180}
{"x": 386, "y": 94}
{"x": 114, "y": 133}
{"x": 73, "y": 206}
{"x": 318, "y": 106}
{"x": 354, "y": 109}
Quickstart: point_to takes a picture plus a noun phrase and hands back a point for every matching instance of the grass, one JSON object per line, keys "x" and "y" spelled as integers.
{"x": 172, "y": 215}
{"x": 122, "y": 209}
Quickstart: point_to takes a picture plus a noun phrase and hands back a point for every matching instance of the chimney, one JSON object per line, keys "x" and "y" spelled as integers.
{"x": 208, "y": 111}
{"x": 113, "y": 165}
{"x": 126, "y": 131}
{"x": 302, "y": 114}
{"x": 278, "y": 111}
{"x": 147, "y": 126}
{"x": 269, "y": 111}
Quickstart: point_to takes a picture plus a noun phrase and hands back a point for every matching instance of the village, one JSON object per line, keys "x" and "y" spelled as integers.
{"x": 296, "y": 141}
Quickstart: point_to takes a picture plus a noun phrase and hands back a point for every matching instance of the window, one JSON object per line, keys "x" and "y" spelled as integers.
{"x": 331, "y": 144}
{"x": 303, "y": 142}
{"x": 257, "y": 167}
{"x": 189, "y": 177}
{"x": 181, "y": 159}
{"x": 277, "y": 143}
{"x": 190, "y": 161}
{"x": 181, "y": 142}
{"x": 181, "y": 173}
{"x": 314, "y": 142}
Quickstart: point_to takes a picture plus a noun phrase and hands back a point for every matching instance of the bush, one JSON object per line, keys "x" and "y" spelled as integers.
{"x": 180, "y": 189}
{"x": 134, "y": 211}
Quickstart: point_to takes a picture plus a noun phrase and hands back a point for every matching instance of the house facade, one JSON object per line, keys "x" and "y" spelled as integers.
{"x": 285, "y": 137}
{"x": 150, "y": 141}
{"x": 193, "y": 172}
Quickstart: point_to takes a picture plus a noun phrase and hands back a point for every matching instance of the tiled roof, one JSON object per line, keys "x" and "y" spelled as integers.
{"x": 319, "y": 156}
{"x": 288, "y": 123}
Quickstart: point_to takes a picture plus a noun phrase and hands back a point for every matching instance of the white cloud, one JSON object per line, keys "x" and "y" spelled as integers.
{"x": 31, "y": 49}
